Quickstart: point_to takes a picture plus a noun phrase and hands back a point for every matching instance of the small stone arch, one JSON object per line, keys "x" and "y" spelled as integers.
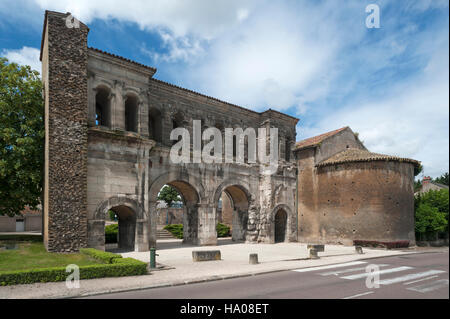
{"x": 129, "y": 212}
{"x": 155, "y": 122}
{"x": 114, "y": 201}
{"x": 272, "y": 221}
{"x": 132, "y": 103}
{"x": 102, "y": 104}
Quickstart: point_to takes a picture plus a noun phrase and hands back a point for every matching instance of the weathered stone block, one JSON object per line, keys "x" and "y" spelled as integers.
{"x": 317, "y": 247}
{"x": 206, "y": 255}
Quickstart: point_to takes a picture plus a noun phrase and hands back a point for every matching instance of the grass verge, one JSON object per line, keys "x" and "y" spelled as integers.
{"x": 31, "y": 263}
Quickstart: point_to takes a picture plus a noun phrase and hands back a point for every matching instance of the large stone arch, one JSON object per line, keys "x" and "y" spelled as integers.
{"x": 241, "y": 198}
{"x": 198, "y": 222}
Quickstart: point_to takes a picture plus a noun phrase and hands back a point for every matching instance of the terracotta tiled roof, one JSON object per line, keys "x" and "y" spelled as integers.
{"x": 315, "y": 140}
{"x": 28, "y": 211}
{"x": 358, "y": 155}
{"x": 124, "y": 59}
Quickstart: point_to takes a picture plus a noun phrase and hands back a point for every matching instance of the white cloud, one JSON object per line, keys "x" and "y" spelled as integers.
{"x": 412, "y": 121}
{"x": 307, "y": 56}
{"x": 183, "y": 49}
{"x": 24, "y": 56}
{"x": 202, "y": 17}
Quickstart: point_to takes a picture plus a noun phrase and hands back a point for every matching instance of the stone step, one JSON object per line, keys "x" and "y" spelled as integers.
{"x": 164, "y": 234}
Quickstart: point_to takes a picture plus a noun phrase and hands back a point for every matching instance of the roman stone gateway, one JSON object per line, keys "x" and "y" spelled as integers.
{"x": 108, "y": 123}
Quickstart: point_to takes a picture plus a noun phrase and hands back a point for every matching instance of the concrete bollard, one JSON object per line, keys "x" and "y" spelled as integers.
{"x": 359, "y": 250}
{"x": 253, "y": 259}
{"x": 313, "y": 254}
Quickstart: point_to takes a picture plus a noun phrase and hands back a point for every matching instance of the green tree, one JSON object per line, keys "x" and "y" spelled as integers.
{"x": 169, "y": 195}
{"x": 443, "y": 179}
{"x": 429, "y": 220}
{"x": 431, "y": 212}
{"x": 21, "y": 137}
{"x": 417, "y": 185}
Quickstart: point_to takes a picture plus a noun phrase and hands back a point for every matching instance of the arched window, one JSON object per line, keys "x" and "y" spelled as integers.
{"x": 102, "y": 107}
{"x": 287, "y": 150}
{"x": 131, "y": 112}
{"x": 177, "y": 121}
{"x": 155, "y": 125}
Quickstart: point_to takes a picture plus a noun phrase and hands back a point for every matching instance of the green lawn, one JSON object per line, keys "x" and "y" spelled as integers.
{"x": 33, "y": 255}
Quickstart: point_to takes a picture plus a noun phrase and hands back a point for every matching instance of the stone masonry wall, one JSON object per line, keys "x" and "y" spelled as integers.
{"x": 65, "y": 80}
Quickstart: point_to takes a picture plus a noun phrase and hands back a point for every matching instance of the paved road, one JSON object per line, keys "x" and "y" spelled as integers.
{"x": 409, "y": 276}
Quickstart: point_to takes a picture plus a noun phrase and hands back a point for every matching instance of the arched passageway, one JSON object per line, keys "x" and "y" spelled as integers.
{"x": 127, "y": 227}
{"x": 233, "y": 212}
{"x": 280, "y": 226}
{"x": 191, "y": 207}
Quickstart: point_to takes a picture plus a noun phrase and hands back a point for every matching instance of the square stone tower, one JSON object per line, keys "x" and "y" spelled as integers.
{"x": 64, "y": 75}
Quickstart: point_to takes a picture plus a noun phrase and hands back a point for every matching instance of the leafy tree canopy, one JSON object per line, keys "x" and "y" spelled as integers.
{"x": 431, "y": 211}
{"x": 429, "y": 219}
{"x": 21, "y": 137}
{"x": 169, "y": 195}
{"x": 443, "y": 179}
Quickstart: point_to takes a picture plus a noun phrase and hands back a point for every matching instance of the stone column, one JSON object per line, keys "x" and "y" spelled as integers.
{"x": 207, "y": 234}
{"x": 64, "y": 59}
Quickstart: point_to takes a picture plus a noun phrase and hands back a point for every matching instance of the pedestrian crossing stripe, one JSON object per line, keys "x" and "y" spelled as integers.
{"x": 379, "y": 272}
{"x": 430, "y": 286}
{"x": 338, "y": 272}
{"x": 353, "y": 263}
{"x": 410, "y": 277}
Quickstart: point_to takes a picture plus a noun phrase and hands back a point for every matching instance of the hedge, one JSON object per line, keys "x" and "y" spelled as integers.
{"x": 383, "y": 244}
{"x": 100, "y": 255}
{"x": 111, "y": 232}
{"x": 113, "y": 266}
{"x": 222, "y": 230}
{"x": 177, "y": 230}
{"x": 13, "y": 237}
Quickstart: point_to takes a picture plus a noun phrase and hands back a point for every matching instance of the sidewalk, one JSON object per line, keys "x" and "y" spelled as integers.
{"x": 182, "y": 270}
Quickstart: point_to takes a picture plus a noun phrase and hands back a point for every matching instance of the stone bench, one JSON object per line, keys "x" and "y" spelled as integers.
{"x": 205, "y": 255}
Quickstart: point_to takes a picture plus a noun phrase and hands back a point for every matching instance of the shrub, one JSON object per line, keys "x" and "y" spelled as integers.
{"x": 222, "y": 230}
{"x": 111, "y": 232}
{"x": 431, "y": 214}
{"x": 175, "y": 229}
{"x": 102, "y": 256}
{"x": 114, "y": 266}
{"x": 32, "y": 238}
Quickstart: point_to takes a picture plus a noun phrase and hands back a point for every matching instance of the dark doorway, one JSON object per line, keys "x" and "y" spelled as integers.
{"x": 127, "y": 227}
{"x": 280, "y": 226}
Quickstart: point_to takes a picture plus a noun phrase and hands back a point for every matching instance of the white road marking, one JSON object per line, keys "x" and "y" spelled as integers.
{"x": 337, "y": 272}
{"x": 380, "y": 272}
{"x": 423, "y": 279}
{"x": 430, "y": 286}
{"x": 353, "y": 263}
{"x": 410, "y": 277}
{"x": 359, "y": 295}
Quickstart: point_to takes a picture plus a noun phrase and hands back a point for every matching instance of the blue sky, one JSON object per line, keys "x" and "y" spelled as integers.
{"x": 315, "y": 60}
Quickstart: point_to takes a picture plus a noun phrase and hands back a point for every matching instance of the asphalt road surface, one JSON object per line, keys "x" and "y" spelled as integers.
{"x": 420, "y": 276}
